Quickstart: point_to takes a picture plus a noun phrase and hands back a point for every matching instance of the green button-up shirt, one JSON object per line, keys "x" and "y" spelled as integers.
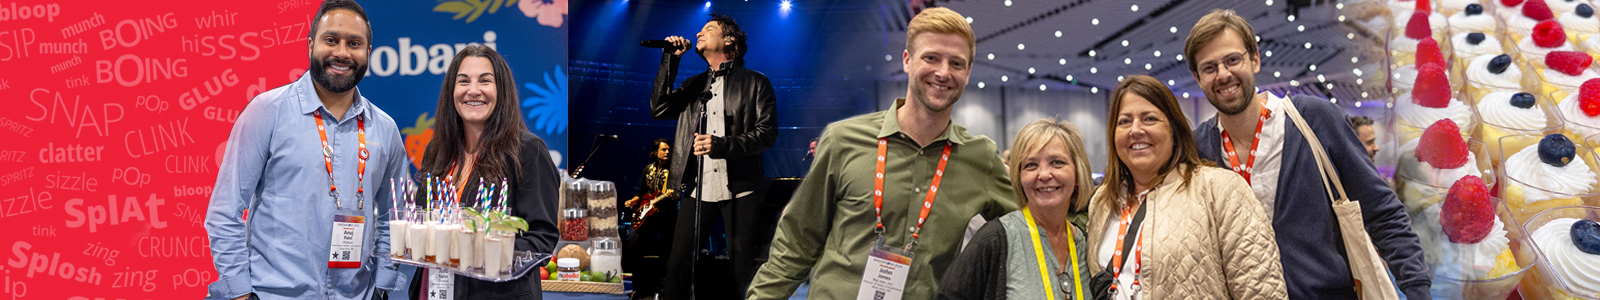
{"x": 827, "y": 230}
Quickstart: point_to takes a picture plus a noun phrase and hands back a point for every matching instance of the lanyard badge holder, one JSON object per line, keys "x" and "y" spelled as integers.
{"x": 348, "y": 230}
{"x": 1130, "y": 228}
{"x": 887, "y": 268}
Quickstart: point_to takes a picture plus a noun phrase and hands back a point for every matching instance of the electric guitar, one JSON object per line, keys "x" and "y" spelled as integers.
{"x": 644, "y": 208}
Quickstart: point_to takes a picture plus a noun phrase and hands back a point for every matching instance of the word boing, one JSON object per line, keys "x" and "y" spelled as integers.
{"x": 121, "y": 112}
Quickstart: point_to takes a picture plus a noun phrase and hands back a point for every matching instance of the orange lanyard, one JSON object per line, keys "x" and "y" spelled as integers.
{"x": 327, "y": 159}
{"x": 1138, "y": 253}
{"x": 455, "y": 190}
{"x": 1246, "y": 167}
{"x": 927, "y": 203}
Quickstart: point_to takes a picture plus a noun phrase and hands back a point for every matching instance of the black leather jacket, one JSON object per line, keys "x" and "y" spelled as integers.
{"x": 749, "y": 107}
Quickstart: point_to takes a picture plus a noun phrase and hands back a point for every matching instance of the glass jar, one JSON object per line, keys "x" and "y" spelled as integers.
{"x": 575, "y": 194}
{"x": 605, "y": 257}
{"x": 567, "y": 269}
{"x": 574, "y": 224}
{"x": 602, "y": 209}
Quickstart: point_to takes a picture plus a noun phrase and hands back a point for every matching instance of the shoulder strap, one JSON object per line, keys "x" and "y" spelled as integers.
{"x": 1329, "y": 174}
{"x": 1127, "y": 243}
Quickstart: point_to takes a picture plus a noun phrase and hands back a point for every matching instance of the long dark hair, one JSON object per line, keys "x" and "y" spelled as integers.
{"x": 499, "y": 147}
{"x": 1119, "y": 180}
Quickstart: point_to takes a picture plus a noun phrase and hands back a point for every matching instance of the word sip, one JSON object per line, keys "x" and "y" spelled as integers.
{"x": 50, "y": 265}
{"x": 151, "y": 103}
{"x": 20, "y": 40}
{"x": 98, "y": 214}
{"x": 47, "y": 12}
{"x": 130, "y": 176}
{"x": 17, "y": 289}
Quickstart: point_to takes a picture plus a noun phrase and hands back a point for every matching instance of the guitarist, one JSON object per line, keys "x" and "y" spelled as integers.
{"x": 656, "y": 208}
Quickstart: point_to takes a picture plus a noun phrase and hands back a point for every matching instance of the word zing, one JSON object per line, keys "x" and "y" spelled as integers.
{"x": 97, "y": 214}
{"x": 141, "y": 279}
{"x": 162, "y": 137}
{"x": 26, "y": 203}
{"x": 85, "y": 116}
{"x": 50, "y": 265}
{"x": 95, "y": 250}
{"x": 84, "y": 25}
{"x": 81, "y": 182}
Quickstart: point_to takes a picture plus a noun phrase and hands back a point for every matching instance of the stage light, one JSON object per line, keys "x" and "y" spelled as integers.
{"x": 991, "y": 56}
{"x": 1294, "y": 83}
{"x": 1063, "y": 61}
{"x": 1091, "y": 53}
{"x": 1171, "y": 82}
{"x": 1323, "y": 79}
{"x": 969, "y": 20}
{"x": 980, "y": 84}
{"x": 1127, "y": 61}
{"x": 1358, "y": 104}
{"x": 1146, "y": 66}
{"x": 1313, "y": 67}
{"x": 1390, "y": 104}
{"x": 708, "y": 4}
{"x": 1269, "y": 2}
{"x": 1008, "y": 3}
{"x": 1341, "y": 18}
{"x": 1302, "y": 28}
{"x": 1158, "y": 53}
{"x": 887, "y": 57}
{"x": 1020, "y": 47}
{"x": 1124, "y": 43}
{"x": 1339, "y": 6}
{"x": 1180, "y": 57}
{"x": 1003, "y": 78}
{"x": 1350, "y": 36}
{"x": 1119, "y": 78}
{"x": 1134, "y": 8}
{"x": 1363, "y": 94}
{"x": 1030, "y": 70}
{"x": 1095, "y": 21}
{"x": 1041, "y": 87}
{"x": 1276, "y": 74}
{"x": 1358, "y": 81}
{"x": 1334, "y": 100}
{"x": 1174, "y": 29}
{"x": 1095, "y": 90}
{"x": 1269, "y": 53}
{"x": 1058, "y": 33}
{"x": 1094, "y": 70}
{"x": 1291, "y": 18}
{"x": 1186, "y": 94}
{"x": 1069, "y": 77}
{"x": 786, "y": 4}
{"x": 1308, "y": 45}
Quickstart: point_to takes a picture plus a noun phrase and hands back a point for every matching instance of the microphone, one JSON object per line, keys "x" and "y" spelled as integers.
{"x": 663, "y": 44}
{"x": 606, "y": 136}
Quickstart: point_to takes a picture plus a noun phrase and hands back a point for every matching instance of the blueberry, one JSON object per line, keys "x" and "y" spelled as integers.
{"x": 1556, "y": 150}
{"x": 1522, "y": 100}
{"x": 1474, "y": 9}
{"x": 1586, "y": 235}
{"x": 1499, "y": 64}
{"x": 1584, "y": 10}
{"x": 1475, "y": 38}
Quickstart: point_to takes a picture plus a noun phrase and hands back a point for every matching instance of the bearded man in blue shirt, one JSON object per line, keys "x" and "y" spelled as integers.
{"x": 299, "y": 161}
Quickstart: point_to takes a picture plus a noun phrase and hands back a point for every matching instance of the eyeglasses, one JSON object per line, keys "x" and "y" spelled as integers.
{"x": 1232, "y": 62}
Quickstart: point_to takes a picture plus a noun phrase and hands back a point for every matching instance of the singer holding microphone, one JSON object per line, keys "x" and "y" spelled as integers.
{"x": 726, "y": 119}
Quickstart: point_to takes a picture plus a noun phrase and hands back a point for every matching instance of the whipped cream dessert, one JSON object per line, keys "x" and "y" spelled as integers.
{"x": 1468, "y": 44}
{"x": 1473, "y": 261}
{"x": 1420, "y": 116}
{"x": 1533, "y": 52}
{"x": 1588, "y": 125}
{"x": 1572, "y": 22}
{"x": 1573, "y": 179}
{"x": 1424, "y": 172}
{"x": 1496, "y": 108}
{"x": 1481, "y": 72}
{"x": 1580, "y": 269}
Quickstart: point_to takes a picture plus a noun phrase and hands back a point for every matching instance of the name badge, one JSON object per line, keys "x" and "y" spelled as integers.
{"x": 885, "y": 277}
{"x": 345, "y": 249}
{"x": 441, "y": 285}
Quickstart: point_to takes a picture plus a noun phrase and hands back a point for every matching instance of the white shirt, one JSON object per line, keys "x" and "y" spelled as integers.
{"x": 714, "y": 171}
{"x": 1268, "y": 154}
{"x": 1108, "y": 245}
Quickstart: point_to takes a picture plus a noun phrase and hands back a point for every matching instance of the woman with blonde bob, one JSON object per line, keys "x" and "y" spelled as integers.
{"x": 1167, "y": 224}
{"x": 1036, "y": 252}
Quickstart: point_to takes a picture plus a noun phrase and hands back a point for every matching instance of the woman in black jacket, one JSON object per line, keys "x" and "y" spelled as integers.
{"x": 480, "y": 136}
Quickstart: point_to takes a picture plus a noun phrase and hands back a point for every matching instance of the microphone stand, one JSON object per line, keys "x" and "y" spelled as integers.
{"x": 700, "y": 183}
{"x": 580, "y": 169}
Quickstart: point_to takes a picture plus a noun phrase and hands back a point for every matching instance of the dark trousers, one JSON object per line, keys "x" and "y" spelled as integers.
{"x": 740, "y": 218}
{"x": 647, "y": 251}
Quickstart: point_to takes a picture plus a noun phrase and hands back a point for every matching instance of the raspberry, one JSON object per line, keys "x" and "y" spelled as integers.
{"x": 1428, "y": 53}
{"x": 1423, "y": 5}
{"x": 1589, "y": 97}
{"x": 1549, "y": 34}
{"x": 1467, "y": 215}
{"x": 1418, "y": 27}
{"x": 1432, "y": 88}
{"x": 1441, "y": 146}
{"x": 1537, "y": 10}
{"x": 1568, "y": 62}
{"x": 1511, "y": 3}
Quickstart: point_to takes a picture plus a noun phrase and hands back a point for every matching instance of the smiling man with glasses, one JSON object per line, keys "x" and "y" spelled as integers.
{"x": 1252, "y": 136}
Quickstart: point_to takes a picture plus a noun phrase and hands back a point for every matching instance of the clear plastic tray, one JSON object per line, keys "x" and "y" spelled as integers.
{"x": 521, "y": 263}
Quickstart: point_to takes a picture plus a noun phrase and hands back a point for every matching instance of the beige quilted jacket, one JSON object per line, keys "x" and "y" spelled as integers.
{"x": 1210, "y": 240}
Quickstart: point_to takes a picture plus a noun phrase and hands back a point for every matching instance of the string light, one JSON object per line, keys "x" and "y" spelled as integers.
{"x": 1308, "y": 45}
{"x": 1091, "y": 53}
{"x": 1063, "y": 61}
{"x": 1093, "y": 70}
{"x": 1127, "y": 61}
{"x": 1095, "y": 21}
{"x": 1058, "y": 33}
{"x": 1003, "y": 78}
{"x": 1174, "y": 29}
{"x": 991, "y": 56}
{"x": 1146, "y": 66}
{"x": 1158, "y": 53}
{"x": 1313, "y": 67}
{"x": 1276, "y": 74}
{"x": 1269, "y": 53}
{"x": 1030, "y": 70}
{"x": 1095, "y": 90}
{"x": 1020, "y": 47}
{"x": 1041, "y": 87}
{"x": 980, "y": 84}
{"x": 1135, "y": 7}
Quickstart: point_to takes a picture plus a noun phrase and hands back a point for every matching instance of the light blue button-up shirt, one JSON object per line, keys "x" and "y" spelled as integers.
{"x": 274, "y": 167}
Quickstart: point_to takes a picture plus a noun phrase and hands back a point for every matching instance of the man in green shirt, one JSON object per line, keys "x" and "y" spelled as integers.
{"x": 832, "y": 222}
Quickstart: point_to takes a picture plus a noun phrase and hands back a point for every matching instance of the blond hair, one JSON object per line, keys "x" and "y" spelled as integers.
{"x": 1032, "y": 139}
{"x": 1210, "y": 26}
{"x": 941, "y": 20}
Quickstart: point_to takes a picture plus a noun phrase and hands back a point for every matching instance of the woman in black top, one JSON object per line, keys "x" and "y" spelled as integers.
{"x": 480, "y": 135}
